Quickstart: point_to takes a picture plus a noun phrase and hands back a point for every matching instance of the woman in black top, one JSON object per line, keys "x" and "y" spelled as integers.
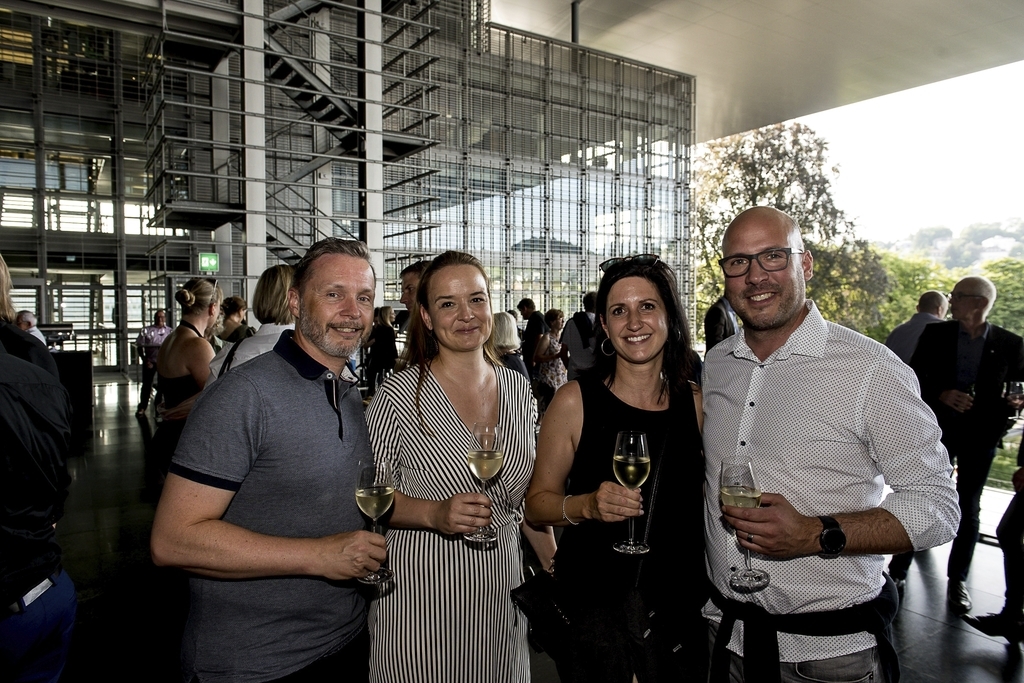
{"x": 382, "y": 346}
{"x": 641, "y": 382}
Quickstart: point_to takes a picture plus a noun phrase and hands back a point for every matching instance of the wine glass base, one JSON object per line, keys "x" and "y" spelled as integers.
{"x": 481, "y": 535}
{"x": 382, "y": 575}
{"x": 749, "y": 581}
{"x": 631, "y": 548}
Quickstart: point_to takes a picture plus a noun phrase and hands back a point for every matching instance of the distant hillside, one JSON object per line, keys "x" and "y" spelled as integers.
{"x": 974, "y": 245}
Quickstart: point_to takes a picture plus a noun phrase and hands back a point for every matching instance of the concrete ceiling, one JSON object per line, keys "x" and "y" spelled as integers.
{"x": 759, "y": 62}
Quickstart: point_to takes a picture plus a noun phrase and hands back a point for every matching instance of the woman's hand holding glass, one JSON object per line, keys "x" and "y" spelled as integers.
{"x": 612, "y": 502}
{"x": 463, "y": 513}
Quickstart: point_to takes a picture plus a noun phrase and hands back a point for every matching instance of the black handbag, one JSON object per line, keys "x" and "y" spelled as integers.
{"x": 540, "y": 600}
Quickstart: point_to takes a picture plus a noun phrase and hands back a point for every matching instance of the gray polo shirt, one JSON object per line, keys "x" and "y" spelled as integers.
{"x": 268, "y": 430}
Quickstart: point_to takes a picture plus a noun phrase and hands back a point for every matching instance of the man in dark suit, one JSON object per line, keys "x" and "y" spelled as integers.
{"x": 719, "y": 322}
{"x": 962, "y": 365}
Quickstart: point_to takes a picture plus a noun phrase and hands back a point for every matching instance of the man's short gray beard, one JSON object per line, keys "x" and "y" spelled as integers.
{"x": 317, "y": 336}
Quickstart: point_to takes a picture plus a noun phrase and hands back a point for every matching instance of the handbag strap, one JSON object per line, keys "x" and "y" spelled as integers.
{"x": 230, "y": 357}
{"x": 650, "y": 513}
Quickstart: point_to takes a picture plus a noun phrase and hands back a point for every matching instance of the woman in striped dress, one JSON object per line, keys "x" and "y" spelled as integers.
{"x": 447, "y": 614}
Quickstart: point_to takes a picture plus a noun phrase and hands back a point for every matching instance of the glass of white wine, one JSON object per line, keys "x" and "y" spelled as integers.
{"x": 375, "y": 492}
{"x": 631, "y": 464}
{"x": 739, "y": 489}
{"x": 485, "y": 461}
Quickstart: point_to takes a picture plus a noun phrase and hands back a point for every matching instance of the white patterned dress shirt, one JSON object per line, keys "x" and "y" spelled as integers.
{"x": 828, "y": 420}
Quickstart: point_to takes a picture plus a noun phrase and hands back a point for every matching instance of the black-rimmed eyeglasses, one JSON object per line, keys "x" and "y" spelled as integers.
{"x": 771, "y": 260}
{"x": 639, "y": 259}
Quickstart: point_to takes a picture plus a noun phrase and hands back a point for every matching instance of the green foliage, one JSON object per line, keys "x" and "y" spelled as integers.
{"x": 784, "y": 166}
{"x": 909, "y": 278}
{"x": 1008, "y": 276}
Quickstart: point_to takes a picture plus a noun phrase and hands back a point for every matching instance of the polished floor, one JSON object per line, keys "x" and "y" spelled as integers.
{"x": 131, "y": 613}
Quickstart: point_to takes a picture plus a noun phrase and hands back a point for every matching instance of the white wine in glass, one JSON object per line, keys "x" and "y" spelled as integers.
{"x": 739, "y": 489}
{"x": 485, "y": 462}
{"x": 375, "y": 492}
{"x": 631, "y": 464}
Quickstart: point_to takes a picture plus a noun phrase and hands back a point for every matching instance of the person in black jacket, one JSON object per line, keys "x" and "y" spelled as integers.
{"x": 37, "y": 599}
{"x": 719, "y": 322}
{"x": 962, "y": 365}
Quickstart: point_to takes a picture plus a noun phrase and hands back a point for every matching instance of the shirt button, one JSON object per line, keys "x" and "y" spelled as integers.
{"x": 751, "y": 404}
{"x": 743, "y": 443}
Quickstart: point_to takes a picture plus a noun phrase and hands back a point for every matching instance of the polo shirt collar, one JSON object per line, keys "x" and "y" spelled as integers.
{"x": 807, "y": 340}
{"x": 303, "y": 363}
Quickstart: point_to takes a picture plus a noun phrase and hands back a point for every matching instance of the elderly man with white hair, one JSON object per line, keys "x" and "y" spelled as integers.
{"x": 962, "y": 365}
{"x": 27, "y": 321}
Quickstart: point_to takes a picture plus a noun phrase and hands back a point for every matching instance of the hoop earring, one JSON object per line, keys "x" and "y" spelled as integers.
{"x": 606, "y": 351}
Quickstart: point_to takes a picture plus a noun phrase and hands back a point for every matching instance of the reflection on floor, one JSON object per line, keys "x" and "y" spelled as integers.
{"x": 131, "y": 613}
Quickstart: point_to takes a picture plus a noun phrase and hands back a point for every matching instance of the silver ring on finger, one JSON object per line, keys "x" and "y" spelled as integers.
{"x": 750, "y": 538}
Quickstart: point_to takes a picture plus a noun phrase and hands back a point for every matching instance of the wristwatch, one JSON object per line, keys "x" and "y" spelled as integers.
{"x": 832, "y": 539}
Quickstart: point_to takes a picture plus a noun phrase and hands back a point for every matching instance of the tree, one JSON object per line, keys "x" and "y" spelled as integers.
{"x": 925, "y": 238}
{"x": 1008, "y": 276}
{"x": 785, "y": 166}
{"x": 909, "y": 278}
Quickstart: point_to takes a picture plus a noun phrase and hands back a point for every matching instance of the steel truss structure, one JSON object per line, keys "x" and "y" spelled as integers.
{"x": 254, "y": 127}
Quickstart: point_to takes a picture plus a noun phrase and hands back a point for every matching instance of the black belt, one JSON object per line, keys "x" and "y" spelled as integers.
{"x": 761, "y": 628}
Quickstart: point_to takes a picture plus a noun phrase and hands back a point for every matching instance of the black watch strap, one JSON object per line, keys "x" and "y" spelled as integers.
{"x": 832, "y": 538}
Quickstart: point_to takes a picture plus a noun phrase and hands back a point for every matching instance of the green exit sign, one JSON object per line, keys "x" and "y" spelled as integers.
{"x": 209, "y": 263}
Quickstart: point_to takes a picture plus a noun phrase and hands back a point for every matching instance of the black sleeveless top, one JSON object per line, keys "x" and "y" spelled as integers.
{"x": 675, "y": 565}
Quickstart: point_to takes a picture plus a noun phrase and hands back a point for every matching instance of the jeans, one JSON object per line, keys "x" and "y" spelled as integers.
{"x": 972, "y": 471}
{"x": 1010, "y": 533}
{"x": 852, "y": 668}
{"x": 34, "y": 643}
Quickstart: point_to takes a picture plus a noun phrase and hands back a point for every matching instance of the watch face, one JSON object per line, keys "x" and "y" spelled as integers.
{"x": 833, "y": 540}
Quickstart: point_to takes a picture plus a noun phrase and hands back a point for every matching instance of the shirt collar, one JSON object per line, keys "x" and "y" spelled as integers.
{"x": 984, "y": 331}
{"x": 304, "y": 363}
{"x": 807, "y": 340}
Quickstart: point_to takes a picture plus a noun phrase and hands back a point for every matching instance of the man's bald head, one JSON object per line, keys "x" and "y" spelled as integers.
{"x": 933, "y": 302}
{"x": 763, "y": 216}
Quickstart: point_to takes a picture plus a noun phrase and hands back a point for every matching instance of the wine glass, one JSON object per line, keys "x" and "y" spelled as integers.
{"x": 485, "y": 461}
{"x": 739, "y": 489}
{"x": 1013, "y": 390}
{"x": 375, "y": 492}
{"x": 631, "y": 464}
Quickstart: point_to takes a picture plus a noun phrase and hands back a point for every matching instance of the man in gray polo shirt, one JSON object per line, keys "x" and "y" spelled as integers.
{"x": 260, "y": 501}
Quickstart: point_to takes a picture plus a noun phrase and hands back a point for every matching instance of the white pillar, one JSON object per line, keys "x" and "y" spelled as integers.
{"x": 371, "y": 114}
{"x": 255, "y": 139}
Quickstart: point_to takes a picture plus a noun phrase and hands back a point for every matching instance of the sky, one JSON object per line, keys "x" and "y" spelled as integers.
{"x": 946, "y": 154}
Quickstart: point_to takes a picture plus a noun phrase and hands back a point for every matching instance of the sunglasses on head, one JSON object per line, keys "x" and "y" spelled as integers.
{"x": 640, "y": 259}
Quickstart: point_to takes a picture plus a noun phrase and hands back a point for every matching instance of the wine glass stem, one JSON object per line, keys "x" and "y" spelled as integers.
{"x": 631, "y": 522}
{"x": 483, "y": 492}
{"x": 377, "y": 530}
{"x": 749, "y": 568}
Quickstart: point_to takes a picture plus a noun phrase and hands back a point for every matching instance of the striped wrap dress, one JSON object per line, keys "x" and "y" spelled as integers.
{"x": 447, "y": 614}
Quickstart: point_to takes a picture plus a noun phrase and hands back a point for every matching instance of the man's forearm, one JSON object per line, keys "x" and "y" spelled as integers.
{"x": 222, "y": 550}
{"x": 188, "y": 532}
{"x": 874, "y": 532}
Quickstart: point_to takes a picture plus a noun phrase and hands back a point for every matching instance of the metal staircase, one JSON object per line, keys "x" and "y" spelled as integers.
{"x": 314, "y": 139}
